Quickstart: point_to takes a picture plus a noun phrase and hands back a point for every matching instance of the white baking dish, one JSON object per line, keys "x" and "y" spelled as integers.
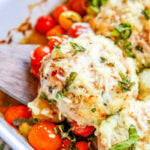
{"x": 13, "y": 13}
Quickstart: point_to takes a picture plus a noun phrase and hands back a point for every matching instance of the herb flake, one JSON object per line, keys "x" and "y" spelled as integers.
{"x": 102, "y": 59}
{"x": 133, "y": 137}
{"x": 146, "y": 13}
{"x": 125, "y": 83}
{"x": 93, "y": 109}
{"x": 122, "y": 31}
{"x": 77, "y": 48}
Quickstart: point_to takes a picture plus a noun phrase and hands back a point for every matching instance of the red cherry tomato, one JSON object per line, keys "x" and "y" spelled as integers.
{"x": 44, "y": 23}
{"x": 56, "y": 30}
{"x": 78, "y": 6}
{"x": 36, "y": 58}
{"x": 58, "y": 10}
{"x": 43, "y": 136}
{"x": 56, "y": 40}
{"x": 82, "y": 131}
{"x": 16, "y": 112}
{"x": 65, "y": 144}
{"x": 82, "y": 145}
{"x": 78, "y": 28}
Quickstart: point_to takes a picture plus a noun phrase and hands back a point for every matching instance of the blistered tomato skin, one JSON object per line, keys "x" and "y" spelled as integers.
{"x": 56, "y": 40}
{"x": 16, "y": 112}
{"x": 36, "y": 57}
{"x": 65, "y": 144}
{"x": 82, "y": 131}
{"x": 78, "y": 6}
{"x": 55, "y": 31}
{"x": 58, "y": 10}
{"x": 44, "y": 24}
{"x": 82, "y": 145}
{"x": 42, "y": 136}
{"x": 77, "y": 30}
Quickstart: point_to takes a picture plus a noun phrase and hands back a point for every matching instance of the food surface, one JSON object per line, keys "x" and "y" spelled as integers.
{"x": 136, "y": 14}
{"x": 94, "y": 78}
{"x": 83, "y": 77}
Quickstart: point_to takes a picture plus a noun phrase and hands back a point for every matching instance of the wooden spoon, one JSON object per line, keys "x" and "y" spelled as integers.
{"x": 15, "y": 77}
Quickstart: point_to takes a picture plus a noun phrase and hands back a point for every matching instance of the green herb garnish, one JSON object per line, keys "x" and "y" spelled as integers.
{"x": 146, "y": 13}
{"x": 126, "y": 46}
{"x": 52, "y": 102}
{"x": 133, "y": 137}
{"x": 102, "y": 59}
{"x": 93, "y": 109}
{"x": 58, "y": 48}
{"x": 122, "y": 31}
{"x": 68, "y": 82}
{"x": 43, "y": 96}
{"x": 95, "y": 4}
{"x": 77, "y": 48}
{"x": 125, "y": 83}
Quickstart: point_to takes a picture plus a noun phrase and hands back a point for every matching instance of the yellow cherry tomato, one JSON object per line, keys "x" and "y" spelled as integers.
{"x": 67, "y": 18}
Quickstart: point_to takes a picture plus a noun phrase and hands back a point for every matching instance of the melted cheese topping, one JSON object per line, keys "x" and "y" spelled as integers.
{"x": 115, "y": 12}
{"x": 115, "y": 129}
{"x": 96, "y": 85}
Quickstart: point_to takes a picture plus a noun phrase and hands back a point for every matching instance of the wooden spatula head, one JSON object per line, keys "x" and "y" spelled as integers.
{"x": 15, "y": 77}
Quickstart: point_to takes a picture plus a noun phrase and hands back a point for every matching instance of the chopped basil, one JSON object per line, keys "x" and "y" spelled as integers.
{"x": 56, "y": 131}
{"x": 95, "y": 4}
{"x": 52, "y": 102}
{"x": 139, "y": 48}
{"x": 58, "y": 48}
{"x": 51, "y": 88}
{"x": 68, "y": 82}
{"x": 146, "y": 13}
{"x": 126, "y": 46}
{"x": 43, "y": 96}
{"x": 30, "y": 121}
{"x": 70, "y": 79}
{"x": 125, "y": 83}
{"x": 122, "y": 31}
{"x": 77, "y": 48}
{"x": 93, "y": 109}
{"x": 133, "y": 137}
{"x": 103, "y": 59}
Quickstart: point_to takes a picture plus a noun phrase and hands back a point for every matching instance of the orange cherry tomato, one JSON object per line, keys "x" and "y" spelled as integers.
{"x": 82, "y": 145}
{"x": 36, "y": 57}
{"x": 67, "y": 18}
{"x": 82, "y": 131}
{"x": 44, "y": 23}
{"x": 16, "y": 112}
{"x": 78, "y": 6}
{"x": 58, "y": 10}
{"x": 43, "y": 136}
{"x": 56, "y": 30}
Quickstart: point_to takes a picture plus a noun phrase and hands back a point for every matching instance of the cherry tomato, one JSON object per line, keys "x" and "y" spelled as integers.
{"x": 77, "y": 29}
{"x": 65, "y": 144}
{"x": 44, "y": 23}
{"x": 56, "y": 30}
{"x": 43, "y": 136}
{"x": 67, "y": 18}
{"x": 58, "y": 10}
{"x": 16, "y": 112}
{"x": 82, "y": 145}
{"x": 56, "y": 40}
{"x": 36, "y": 58}
{"x": 78, "y": 6}
{"x": 82, "y": 131}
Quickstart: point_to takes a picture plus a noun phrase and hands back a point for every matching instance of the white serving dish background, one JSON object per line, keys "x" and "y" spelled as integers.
{"x": 12, "y": 14}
